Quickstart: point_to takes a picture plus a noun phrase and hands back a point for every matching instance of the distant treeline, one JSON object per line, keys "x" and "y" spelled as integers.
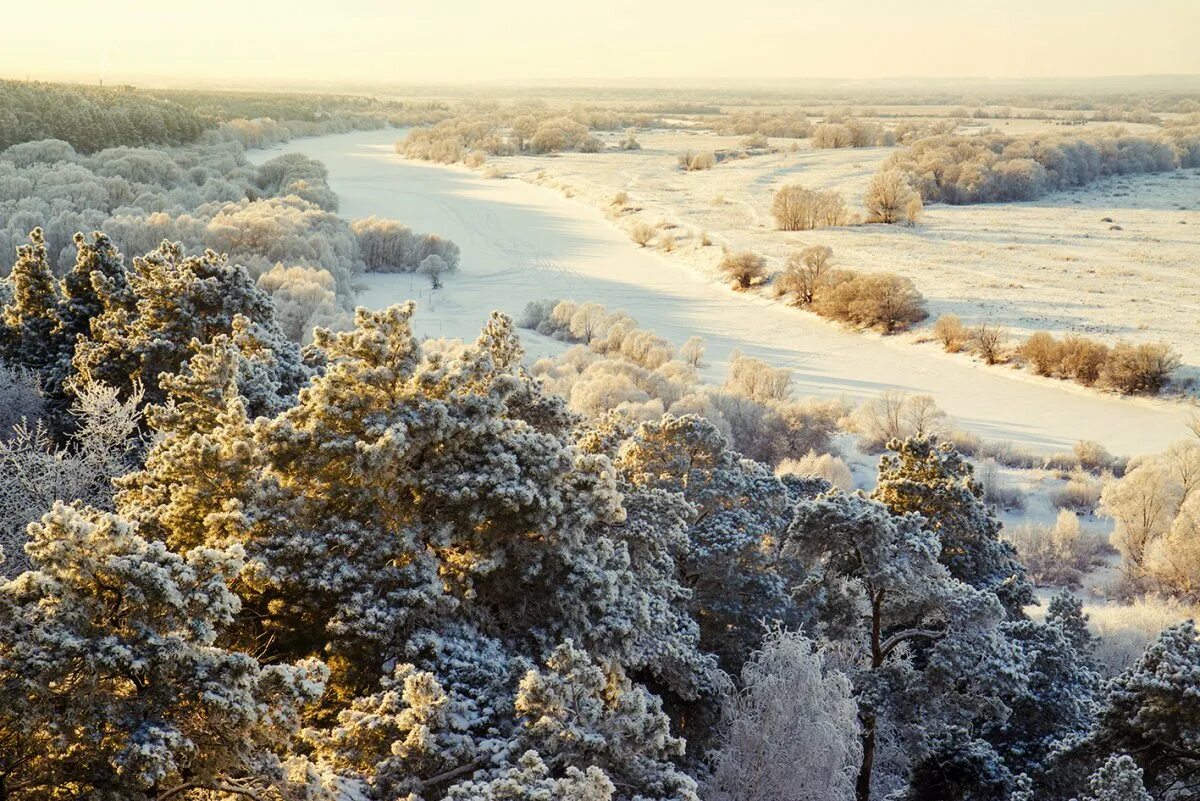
{"x": 998, "y": 167}
{"x": 92, "y": 118}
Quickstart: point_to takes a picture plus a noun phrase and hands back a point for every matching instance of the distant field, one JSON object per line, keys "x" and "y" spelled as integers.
{"x": 1052, "y": 263}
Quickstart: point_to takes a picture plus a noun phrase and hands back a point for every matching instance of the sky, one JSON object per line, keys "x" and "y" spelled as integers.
{"x": 297, "y": 42}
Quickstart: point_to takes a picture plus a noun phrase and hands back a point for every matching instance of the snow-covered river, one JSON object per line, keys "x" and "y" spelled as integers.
{"x": 521, "y": 242}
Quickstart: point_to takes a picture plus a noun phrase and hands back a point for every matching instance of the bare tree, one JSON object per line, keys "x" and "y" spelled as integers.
{"x": 988, "y": 340}
{"x": 791, "y": 733}
{"x": 888, "y": 197}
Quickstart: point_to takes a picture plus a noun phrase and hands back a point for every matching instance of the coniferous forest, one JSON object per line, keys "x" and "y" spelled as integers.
{"x": 260, "y": 542}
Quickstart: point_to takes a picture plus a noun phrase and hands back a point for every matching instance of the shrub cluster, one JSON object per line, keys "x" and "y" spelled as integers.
{"x": 799, "y": 209}
{"x": 851, "y": 133}
{"x": 993, "y": 168}
{"x": 621, "y": 368}
{"x": 1126, "y": 368}
{"x": 883, "y": 301}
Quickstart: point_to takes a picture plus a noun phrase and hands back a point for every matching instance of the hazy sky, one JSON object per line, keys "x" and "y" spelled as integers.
{"x": 297, "y": 41}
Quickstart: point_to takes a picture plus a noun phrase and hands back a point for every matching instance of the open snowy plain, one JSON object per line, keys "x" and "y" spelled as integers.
{"x": 522, "y": 241}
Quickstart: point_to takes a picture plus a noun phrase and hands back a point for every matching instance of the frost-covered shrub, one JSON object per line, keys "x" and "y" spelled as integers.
{"x": 1042, "y": 352}
{"x": 1080, "y": 494}
{"x": 692, "y": 162}
{"x": 1139, "y": 369}
{"x": 883, "y": 301}
{"x": 743, "y": 268}
{"x": 758, "y": 380}
{"x": 755, "y": 141}
{"x": 1057, "y": 555}
{"x": 21, "y": 397}
{"x": 852, "y": 133}
{"x": 1093, "y": 456}
{"x": 987, "y": 340}
{"x": 1083, "y": 359}
{"x": 642, "y": 233}
{"x": 996, "y": 490}
{"x": 951, "y": 333}
{"x": 825, "y": 466}
{"x": 796, "y": 208}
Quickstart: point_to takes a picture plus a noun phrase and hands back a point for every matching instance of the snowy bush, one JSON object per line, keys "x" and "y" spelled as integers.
{"x": 883, "y": 301}
{"x": 799, "y": 209}
{"x": 1057, "y": 555}
{"x": 825, "y": 466}
{"x": 743, "y": 268}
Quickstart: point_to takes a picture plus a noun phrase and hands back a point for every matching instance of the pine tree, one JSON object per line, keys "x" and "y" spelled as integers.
{"x": 1152, "y": 709}
{"x": 179, "y": 302}
{"x": 1118, "y": 779}
{"x": 937, "y": 482}
{"x": 741, "y": 513}
{"x": 584, "y": 713}
{"x": 530, "y": 780}
{"x": 960, "y": 767}
{"x": 882, "y": 595}
{"x": 96, "y": 280}
{"x": 31, "y": 316}
{"x": 1066, "y": 612}
{"x": 1054, "y": 702}
{"x": 113, "y": 684}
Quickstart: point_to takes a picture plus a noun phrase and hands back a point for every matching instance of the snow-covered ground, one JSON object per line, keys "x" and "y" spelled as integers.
{"x": 1116, "y": 260}
{"x": 522, "y": 241}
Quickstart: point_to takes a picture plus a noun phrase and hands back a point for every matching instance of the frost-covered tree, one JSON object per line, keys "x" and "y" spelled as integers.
{"x": 38, "y": 471}
{"x": 888, "y": 197}
{"x": 791, "y": 732}
{"x": 1066, "y": 612}
{"x": 1153, "y": 710}
{"x": 96, "y": 280}
{"x": 435, "y": 267}
{"x": 1143, "y": 504}
{"x": 585, "y": 713}
{"x": 960, "y": 767}
{"x": 31, "y": 315}
{"x": 114, "y": 686}
{"x": 1052, "y": 704}
{"x": 732, "y": 568}
{"x": 881, "y": 593}
{"x": 1118, "y": 779}
{"x": 934, "y": 480}
{"x": 530, "y": 780}
{"x": 176, "y": 302}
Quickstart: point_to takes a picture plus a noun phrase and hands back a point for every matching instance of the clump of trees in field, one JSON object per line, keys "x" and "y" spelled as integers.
{"x": 797, "y": 208}
{"x": 998, "y": 167}
{"x": 851, "y": 133}
{"x": 1127, "y": 368}
{"x": 520, "y": 128}
{"x": 882, "y": 301}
